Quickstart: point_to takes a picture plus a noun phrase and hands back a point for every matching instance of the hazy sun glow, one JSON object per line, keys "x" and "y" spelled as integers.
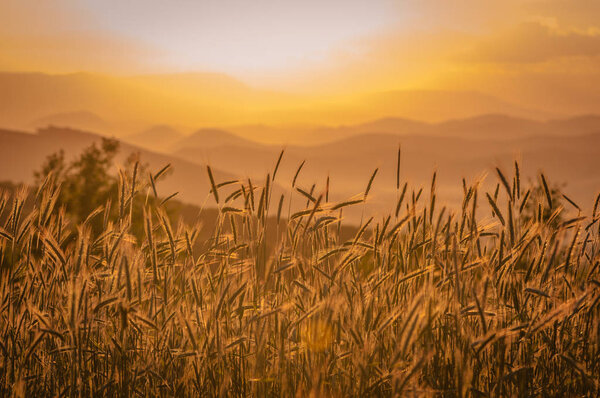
{"x": 540, "y": 55}
{"x": 237, "y": 36}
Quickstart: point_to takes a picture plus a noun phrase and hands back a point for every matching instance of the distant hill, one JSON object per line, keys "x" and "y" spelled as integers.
{"x": 440, "y": 105}
{"x": 209, "y": 138}
{"x": 568, "y": 151}
{"x": 82, "y": 120}
{"x": 489, "y": 126}
{"x": 159, "y": 138}
{"x": 582, "y": 123}
{"x": 492, "y": 126}
{"x": 22, "y": 153}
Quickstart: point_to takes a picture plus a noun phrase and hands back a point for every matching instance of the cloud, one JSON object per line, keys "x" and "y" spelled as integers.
{"x": 533, "y": 42}
{"x": 66, "y": 53}
{"x": 572, "y": 13}
{"x": 58, "y": 38}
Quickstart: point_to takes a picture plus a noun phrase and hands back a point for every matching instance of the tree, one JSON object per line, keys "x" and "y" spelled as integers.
{"x": 90, "y": 181}
{"x": 87, "y": 182}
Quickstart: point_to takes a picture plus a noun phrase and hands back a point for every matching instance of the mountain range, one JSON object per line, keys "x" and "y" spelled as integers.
{"x": 566, "y": 150}
{"x": 22, "y": 153}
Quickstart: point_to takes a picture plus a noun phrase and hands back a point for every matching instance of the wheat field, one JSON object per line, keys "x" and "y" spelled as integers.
{"x": 500, "y": 297}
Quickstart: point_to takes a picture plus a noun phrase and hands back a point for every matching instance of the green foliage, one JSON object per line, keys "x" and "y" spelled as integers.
{"x": 90, "y": 183}
{"x": 87, "y": 181}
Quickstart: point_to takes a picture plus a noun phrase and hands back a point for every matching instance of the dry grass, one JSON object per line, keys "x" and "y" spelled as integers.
{"x": 487, "y": 301}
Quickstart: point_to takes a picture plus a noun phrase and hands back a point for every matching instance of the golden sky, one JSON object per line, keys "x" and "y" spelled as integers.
{"x": 537, "y": 53}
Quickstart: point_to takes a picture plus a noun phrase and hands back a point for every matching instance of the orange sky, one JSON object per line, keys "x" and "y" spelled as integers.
{"x": 541, "y": 54}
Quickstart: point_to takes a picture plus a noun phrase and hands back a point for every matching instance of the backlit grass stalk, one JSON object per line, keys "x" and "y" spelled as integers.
{"x": 424, "y": 301}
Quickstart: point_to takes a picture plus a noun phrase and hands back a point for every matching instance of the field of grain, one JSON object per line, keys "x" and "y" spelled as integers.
{"x": 498, "y": 298}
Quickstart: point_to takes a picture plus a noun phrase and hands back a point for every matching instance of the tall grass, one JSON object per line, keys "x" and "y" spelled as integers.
{"x": 494, "y": 299}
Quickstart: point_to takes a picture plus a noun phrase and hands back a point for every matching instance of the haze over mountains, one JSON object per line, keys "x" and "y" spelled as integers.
{"x": 22, "y": 153}
{"x": 190, "y": 120}
{"x": 158, "y": 137}
{"x": 129, "y": 104}
{"x": 567, "y": 150}
{"x": 82, "y": 120}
